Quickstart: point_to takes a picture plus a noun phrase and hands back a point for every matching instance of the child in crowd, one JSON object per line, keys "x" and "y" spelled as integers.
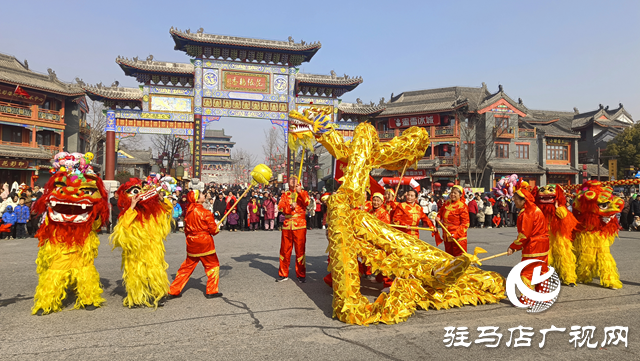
{"x": 9, "y": 217}
{"x": 23, "y": 214}
{"x": 232, "y": 220}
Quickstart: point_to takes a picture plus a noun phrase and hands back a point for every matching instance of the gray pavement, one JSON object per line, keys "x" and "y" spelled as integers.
{"x": 259, "y": 319}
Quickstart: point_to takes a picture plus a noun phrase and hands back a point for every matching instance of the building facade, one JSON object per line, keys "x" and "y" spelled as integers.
{"x": 39, "y": 117}
{"x": 217, "y": 165}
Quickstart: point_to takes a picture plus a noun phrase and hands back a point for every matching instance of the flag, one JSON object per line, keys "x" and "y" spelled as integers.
{"x": 20, "y": 91}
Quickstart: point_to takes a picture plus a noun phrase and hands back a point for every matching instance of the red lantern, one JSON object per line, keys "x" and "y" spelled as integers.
{"x": 436, "y": 184}
{"x": 445, "y": 148}
{"x": 450, "y": 184}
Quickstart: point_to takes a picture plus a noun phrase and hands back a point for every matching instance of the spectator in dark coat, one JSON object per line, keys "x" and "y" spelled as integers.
{"x": 242, "y": 212}
{"x": 115, "y": 212}
{"x": 23, "y": 214}
{"x": 219, "y": 207}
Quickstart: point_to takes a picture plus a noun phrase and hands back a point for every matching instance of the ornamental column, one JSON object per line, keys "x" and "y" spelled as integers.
{"x": 110, "y": 161}
{"x": 197, "y": 119}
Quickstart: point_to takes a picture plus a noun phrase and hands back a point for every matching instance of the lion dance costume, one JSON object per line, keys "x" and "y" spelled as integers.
{"x": 140, "y": 233}
{"x": 424, "y": 275}
{"x": 552, "y": 202}
{"x": 74, "y": 204}
{"x": 595, "y": 208}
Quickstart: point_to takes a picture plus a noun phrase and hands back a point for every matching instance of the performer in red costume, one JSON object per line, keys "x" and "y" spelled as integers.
{"x": 454, "y": 215}
{"x": 293, "y": 204}
{"x": 533, "y": 236}
{"x": 410, "y": 213}
{"x": 199, "y": 228}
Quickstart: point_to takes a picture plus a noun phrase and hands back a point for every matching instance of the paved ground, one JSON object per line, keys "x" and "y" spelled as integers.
{"x": 259, "y": 319}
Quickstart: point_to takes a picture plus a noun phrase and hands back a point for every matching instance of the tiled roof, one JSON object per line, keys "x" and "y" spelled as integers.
{"x": 154, "y": 66}
{"x": 330, "y": 80}
{"x": 609, "y": 118}
{"x": 446, "y": 172}
{"x": 234, "y": 41}
{"x": 18, "y": 73}
{"x": 143, "y": 157}
{"x": 502, "y": 95}
{"x": 98, "y": 92}
{"x": 516, "y": 168}
{"x": 560, "y": 128}
{"x": 17, "y": 151}
{"x": 592, "y": 169}
{"x": 360, "y": 109}
{"x": 433, "y": 100}
{"x": 428, "y": 163}
{"x": 216, "y": 133}
{"x": 561, "y": 169}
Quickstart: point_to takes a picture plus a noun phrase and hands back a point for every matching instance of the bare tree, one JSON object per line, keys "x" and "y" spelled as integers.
{"x": 97, "y": 120}
{"x": 170, "y": 148}
{"x": 243, "y": 162}
{"x": 479, "y": 146}
{"x": 274, "y": 148}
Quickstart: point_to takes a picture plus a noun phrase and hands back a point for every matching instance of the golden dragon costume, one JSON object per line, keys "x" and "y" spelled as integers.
{"x": 552, "y": 202}
{"x": 595, "y": 208}
{"x": 424, "y": 275}
{"x": 140, "y": 233}
{"x": 74, "y": 204}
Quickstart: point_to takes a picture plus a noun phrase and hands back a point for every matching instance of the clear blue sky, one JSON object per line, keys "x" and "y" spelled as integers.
{"x": 555, "y": 55}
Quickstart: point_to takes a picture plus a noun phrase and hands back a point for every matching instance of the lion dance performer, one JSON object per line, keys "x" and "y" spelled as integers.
{"x": 454, "y": 215}
{"x": 143, "y": 225}
{"x": 200, "y": 227}
{"x": 424, "y": 275}
{"x": 595, "y": 208}
{"x": 75, "y": 206}
{"x": 533, "y": 236}
{"x": 552, "y": 202}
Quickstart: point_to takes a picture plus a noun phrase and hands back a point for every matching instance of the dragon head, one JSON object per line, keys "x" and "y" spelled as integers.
{"x": 597, "y": 200}
{"x": 149, "y": 203}
{"x": 303, "y": 126}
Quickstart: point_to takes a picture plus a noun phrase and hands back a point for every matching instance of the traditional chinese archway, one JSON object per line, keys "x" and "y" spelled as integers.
{"x": 227, "y": 77}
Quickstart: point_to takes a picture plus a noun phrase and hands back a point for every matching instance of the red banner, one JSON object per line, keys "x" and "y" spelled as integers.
{"x": 414, "y": 120}
{"x": 8, "y": 93}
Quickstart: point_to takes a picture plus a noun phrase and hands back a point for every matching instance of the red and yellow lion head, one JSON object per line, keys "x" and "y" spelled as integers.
{"x": 149, "y": 203}
{"x": 74, "y": 204}
{"x": 548, "y": 197}
{"x": 595, "y": 207}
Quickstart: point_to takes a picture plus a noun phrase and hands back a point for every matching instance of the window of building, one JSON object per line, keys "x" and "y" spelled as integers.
{"x": 557, "y": 152}
{"x": 522, "y": 151}
{"x": 502, "y": 150}
{"x": 502, "y": 123}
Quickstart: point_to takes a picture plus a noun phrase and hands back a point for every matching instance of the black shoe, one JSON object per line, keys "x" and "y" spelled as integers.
{"x": 572, "y": 284}
{"x": 282, "y": 279}
{"x": 302, "y": 279}
{"x": 90, "y": 307}
{"x": 170, "y": 296}
{"x": 213, "y": 295}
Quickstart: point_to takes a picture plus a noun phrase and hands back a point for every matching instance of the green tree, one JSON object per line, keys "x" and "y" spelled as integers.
{"x": 626, "y": 146}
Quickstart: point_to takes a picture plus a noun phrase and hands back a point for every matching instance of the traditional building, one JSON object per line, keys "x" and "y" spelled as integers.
{"x": 39, "y": 117}
{"x": 216, "y": 157}
{"x": 597, "y": 128}
{"x": 137, "y": 162}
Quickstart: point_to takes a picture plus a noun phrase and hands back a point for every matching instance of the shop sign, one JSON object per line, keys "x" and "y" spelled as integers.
{"x": 14, "y": 163}
{"x": 414, "y": 120}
